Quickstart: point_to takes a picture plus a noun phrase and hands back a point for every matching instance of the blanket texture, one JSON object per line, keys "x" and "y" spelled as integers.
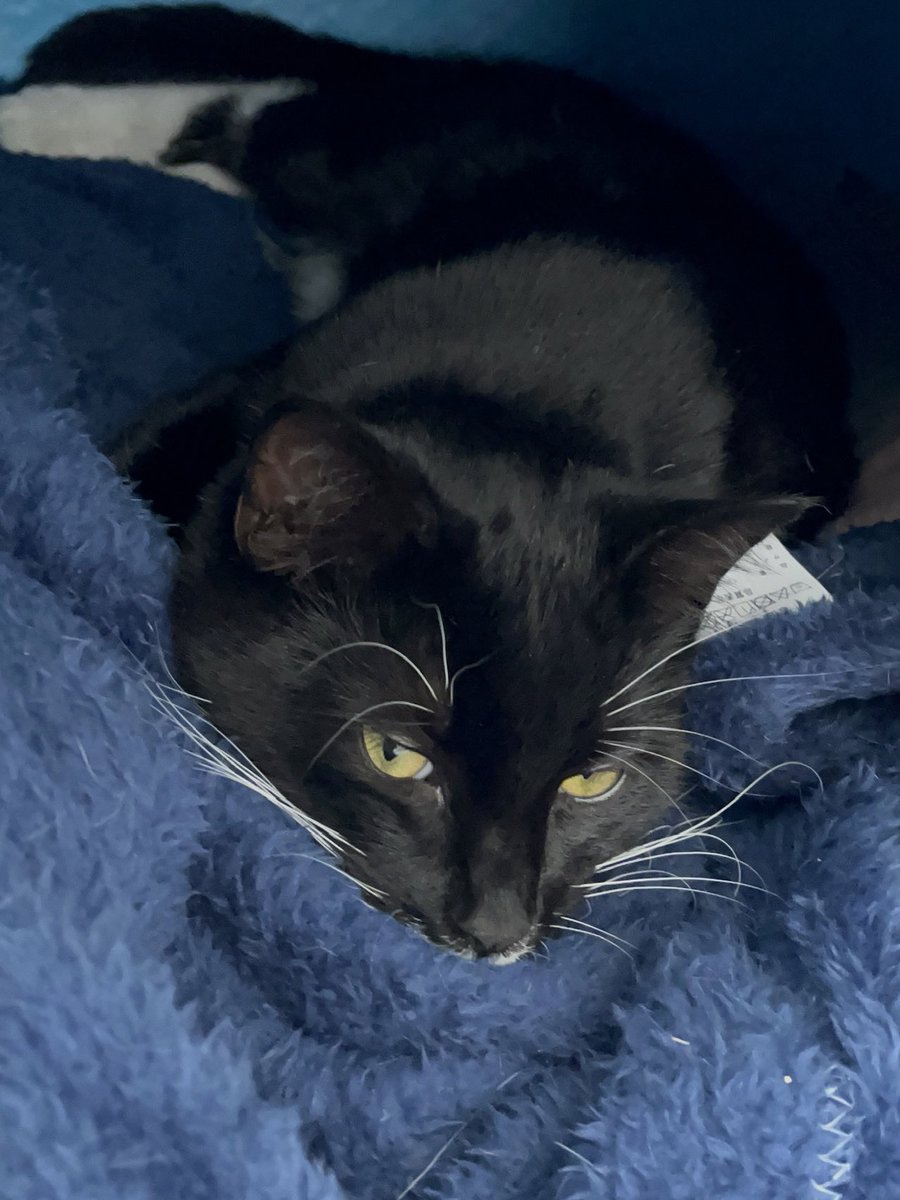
{"x": 196, "y": 1008}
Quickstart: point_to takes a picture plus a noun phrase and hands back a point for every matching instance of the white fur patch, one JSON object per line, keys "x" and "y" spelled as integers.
{"x": 513, "y": 954}
{"x": 135, "y": 122}
{"x": 317, "y": 277}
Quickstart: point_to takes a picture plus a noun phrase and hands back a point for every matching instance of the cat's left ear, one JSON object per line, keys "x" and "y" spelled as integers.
{"x": 696, "y": 541}
{"x": 319, "y": 490}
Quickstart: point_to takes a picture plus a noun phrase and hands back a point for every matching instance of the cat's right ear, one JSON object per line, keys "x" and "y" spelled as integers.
{"x": 692, "y": 543}
{"x": 319, "y": 490}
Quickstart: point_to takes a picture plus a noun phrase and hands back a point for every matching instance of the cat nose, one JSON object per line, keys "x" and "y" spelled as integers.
{"x": 496, "y": 924}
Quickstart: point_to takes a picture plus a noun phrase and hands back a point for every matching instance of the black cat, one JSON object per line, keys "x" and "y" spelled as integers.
{"x": 434, "y": 547}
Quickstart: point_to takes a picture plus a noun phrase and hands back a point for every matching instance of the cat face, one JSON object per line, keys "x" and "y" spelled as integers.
{"x": 472, "y": 796}
{"x": 473, "y": 715}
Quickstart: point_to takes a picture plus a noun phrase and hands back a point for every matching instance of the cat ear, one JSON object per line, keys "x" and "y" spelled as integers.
{"x": 319, "y": 490}
{"x": 697, "y": 541}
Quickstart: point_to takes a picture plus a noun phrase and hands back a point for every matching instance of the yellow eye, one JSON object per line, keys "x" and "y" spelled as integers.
{"x": 591, "y": 785}
{"x": 392, "y": 758}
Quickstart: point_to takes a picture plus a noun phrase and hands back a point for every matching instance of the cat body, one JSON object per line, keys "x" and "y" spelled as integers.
{"x": 442, "y": 553}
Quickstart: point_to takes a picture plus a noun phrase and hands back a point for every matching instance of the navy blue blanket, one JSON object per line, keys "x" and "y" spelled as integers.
{"x": 195, "y": 1007}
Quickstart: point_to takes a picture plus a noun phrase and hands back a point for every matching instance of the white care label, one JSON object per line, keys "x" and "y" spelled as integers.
{"x": 767, "y": 579}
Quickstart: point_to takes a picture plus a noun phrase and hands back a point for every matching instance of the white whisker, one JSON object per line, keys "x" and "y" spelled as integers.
{"x": 650, "y": 849}
{"x": 413, "y": 1183}
{"x": 165, "y": 666}
{"x": 179, "y": 691}
{"x": 666, "y": 758}
{"x": 372, "y": 646}
{"x": 740, "y": 865}
{"x": 188, "y": 722}
{"x": 632, "y": 878}
{"x": 655, "y": 667}
{"x": 325, "y": 840}
{"x": 443, "y": 631}
{"x": 665, "y": 887}
{"x": 679, "y": 833}
{"x": 655, "y": 874}
{"x": 703, "y": 824}
{"x": 432, "y": 1162}
{"x": 687, "y": 732}
{"x": 444, "y": 656}
{"x": 358, "y": 717}
{"x": 732, "y": 856}
{"x": 238, "y": 768}
{"x": 685, "y": 687}
{"x": 587, "y": 925}
{"x": 468, "y": 667}
{"x": 237, "y": 762}
{"x": 588, "y": 933}
{"x": 581, "y": 1158}
{"x": 234, "y": 766}
{"x": 650, "y": 859}
{"x": 630, "y": 766}
{"x": 365, "y": 887}
{"x": 640, "y": 875}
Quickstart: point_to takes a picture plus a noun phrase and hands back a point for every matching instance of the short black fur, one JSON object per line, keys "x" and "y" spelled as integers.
{"x": 574, "y": 375}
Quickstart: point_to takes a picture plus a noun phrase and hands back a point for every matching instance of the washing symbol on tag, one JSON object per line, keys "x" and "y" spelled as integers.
{"x": 767, "y": 579}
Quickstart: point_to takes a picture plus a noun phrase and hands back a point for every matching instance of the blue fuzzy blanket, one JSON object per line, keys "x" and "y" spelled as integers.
{"x": 194, "y": 1008}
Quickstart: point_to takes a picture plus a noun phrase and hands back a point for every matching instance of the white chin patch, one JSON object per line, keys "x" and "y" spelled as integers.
{"x": 512, "y": 955}
{"x": 135, "y": 122}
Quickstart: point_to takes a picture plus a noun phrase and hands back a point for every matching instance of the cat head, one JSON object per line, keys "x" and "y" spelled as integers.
{"x": 472, "y": 705}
